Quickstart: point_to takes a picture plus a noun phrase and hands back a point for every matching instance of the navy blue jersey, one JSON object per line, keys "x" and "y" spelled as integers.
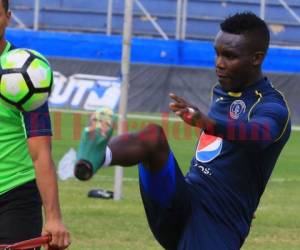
{"x": 234, "y": 160}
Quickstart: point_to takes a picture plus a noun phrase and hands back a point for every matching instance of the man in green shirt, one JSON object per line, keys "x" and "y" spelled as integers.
{"x": 27, "y": 172}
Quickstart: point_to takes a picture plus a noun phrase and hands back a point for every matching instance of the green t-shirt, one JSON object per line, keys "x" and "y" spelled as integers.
{"x": 16, "y": 166}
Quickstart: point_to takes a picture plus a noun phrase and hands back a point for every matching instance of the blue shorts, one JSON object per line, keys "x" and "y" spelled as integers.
{"x": 176, "y": 214}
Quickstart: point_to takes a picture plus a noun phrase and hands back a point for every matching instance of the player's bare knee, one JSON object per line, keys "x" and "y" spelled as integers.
{"x": 153, "y": 137}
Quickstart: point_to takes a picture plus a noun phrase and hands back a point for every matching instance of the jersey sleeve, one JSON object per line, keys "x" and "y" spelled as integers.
{"x": 37, "y": 122}
{"x": 266, "y": 125}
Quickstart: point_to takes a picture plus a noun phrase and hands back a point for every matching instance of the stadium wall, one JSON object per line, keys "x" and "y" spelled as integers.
{"x": 159, "y": 67}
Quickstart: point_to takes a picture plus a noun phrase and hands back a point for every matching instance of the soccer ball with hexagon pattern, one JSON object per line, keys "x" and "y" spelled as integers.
{"x": 25, "y": 79}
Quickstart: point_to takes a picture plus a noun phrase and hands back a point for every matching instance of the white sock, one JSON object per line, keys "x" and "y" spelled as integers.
{"x": 107, "y": 158}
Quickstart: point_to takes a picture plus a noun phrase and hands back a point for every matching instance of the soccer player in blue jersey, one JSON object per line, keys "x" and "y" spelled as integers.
{"x": 27, "y": 172}
{"x": 248, "y": 124}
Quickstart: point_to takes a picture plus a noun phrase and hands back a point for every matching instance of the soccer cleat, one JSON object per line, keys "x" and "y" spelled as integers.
{"x": 93, "y": 142}
{"x": 100, "y": 193}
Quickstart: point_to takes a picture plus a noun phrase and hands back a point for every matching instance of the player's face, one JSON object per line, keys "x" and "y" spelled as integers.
{"x": 234, "y": 61}
{"x": 4, "y": 20}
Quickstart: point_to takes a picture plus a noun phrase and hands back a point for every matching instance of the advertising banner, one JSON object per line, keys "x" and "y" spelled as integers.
{"x": 84, "y": 91}
{"x": 84, "y": 85}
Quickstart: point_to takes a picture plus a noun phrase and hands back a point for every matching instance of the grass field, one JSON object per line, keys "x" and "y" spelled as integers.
{"x": 114, "y": 225}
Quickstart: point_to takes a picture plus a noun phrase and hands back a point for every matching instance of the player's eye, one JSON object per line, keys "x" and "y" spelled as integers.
{"x": 230, "y": 56}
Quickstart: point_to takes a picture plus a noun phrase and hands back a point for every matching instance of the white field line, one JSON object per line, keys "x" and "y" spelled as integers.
{"x": 296, "y": 128}
{"x": 137, "y": 116}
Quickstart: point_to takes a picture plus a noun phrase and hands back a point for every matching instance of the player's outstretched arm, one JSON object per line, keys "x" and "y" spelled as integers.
{"x": 266, "y": 125}
{"x": 40, "y": 151}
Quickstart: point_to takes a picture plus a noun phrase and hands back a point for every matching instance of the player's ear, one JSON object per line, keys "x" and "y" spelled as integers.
{"x": 258, "y": 58}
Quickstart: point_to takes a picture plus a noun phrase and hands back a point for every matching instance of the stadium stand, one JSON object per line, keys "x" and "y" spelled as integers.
{"x": 172, "y": 64}
{"x": 203, "y": 17}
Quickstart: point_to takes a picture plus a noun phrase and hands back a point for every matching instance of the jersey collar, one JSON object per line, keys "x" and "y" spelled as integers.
{"x": 250, "y": 89}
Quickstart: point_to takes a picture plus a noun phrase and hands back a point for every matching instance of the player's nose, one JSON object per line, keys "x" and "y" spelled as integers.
{"x": 220, "y": 63}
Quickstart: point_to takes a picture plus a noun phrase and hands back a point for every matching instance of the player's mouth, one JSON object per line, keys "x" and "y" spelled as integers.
{"x": 223, "y": 80}
{"x": 222, "y": 76}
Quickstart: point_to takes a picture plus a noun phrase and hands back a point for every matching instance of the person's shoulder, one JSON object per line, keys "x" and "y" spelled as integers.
{"x": 272, "y": 100}
{"x": 273, "y": 105}
{"x": 271, "y": 95}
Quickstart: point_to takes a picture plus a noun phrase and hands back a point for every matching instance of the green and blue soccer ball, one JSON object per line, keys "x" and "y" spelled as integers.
{"x": 26, "y": 79}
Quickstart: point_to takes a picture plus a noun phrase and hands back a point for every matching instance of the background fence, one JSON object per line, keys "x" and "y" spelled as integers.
{"x": 169, "y": 19}
{"x": 171, "y": 50}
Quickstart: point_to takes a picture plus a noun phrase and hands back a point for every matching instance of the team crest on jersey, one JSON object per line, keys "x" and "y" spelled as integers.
{"x": 237, "y": 108}
{"x": 209, "y": 147}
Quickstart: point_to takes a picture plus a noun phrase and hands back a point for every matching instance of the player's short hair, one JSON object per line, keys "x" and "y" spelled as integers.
{"x": 5, "y": 4}
{"x": 248, "y": 24}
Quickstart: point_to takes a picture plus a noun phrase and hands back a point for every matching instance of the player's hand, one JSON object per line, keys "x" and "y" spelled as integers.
{"x": 60, "y": 237}
{"x": 188, "y": 112}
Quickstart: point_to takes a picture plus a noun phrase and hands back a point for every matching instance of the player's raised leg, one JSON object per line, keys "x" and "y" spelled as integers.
{"x": 162, "y": 185}
{"x": 149, "y": 147}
